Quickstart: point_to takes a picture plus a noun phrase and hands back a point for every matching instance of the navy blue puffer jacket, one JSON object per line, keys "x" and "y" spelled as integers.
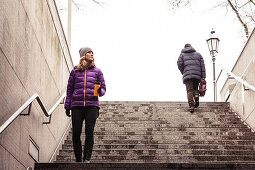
{"x": 191, "y": 64}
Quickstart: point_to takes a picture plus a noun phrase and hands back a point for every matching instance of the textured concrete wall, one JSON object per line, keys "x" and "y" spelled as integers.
{"x": 34, "y": 59}
{"x": 245, "y": 68}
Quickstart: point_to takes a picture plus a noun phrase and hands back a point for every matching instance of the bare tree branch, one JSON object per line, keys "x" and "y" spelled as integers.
{"x": 251, "y": 15}
{"x": 60, "y": 6}
{"x": 243, "y": 9}
{"x": 174, "y": 4}
{"x": 252, "y": 2}
{"x": 236, "y": 4}
{"x": 239, "y": 18}
{"x": 77, "y": 5}
{"x": 244, "y": 4}
{"x": 96, "y": 2}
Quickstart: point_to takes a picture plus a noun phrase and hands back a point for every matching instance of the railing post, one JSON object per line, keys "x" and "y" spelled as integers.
{"x": 29, "y": 103}
{"x": 29, "y": 110}
{"x": 48, "y": 121}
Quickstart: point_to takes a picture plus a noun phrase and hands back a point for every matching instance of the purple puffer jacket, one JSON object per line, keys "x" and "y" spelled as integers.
{"x": 79, "y": 93}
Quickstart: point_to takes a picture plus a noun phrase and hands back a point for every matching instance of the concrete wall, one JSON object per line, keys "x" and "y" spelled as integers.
{"x": 244, "y": 68}
{"x": 34, "y": 59}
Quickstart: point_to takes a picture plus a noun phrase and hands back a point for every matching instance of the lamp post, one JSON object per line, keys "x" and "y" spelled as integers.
{"x": 69, "y": 15}
{"x": 213, "y": 44}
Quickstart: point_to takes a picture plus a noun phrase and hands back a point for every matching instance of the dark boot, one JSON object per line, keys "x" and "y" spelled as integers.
{"x": 191, "y": 109}
{"x": 196, "y": 102}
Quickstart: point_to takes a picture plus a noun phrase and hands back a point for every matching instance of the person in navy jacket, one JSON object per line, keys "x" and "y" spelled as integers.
{"x": 192, "y": 67}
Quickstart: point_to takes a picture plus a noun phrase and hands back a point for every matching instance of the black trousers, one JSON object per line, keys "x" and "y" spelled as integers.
{"x": 89, "y": 114}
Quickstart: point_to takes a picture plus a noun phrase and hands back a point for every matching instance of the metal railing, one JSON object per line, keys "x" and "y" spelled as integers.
{"x": 28, "y": 103}
{"x": 252, "y": 61}
{"x": 244, "y": 83}
{"x": 239, "y": 79}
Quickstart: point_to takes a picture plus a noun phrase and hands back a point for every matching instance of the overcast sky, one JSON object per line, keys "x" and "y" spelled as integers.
{"x": 136, "y": 44}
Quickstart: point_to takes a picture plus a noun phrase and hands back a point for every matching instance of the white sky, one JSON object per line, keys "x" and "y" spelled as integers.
{"x": 136, "y": 44}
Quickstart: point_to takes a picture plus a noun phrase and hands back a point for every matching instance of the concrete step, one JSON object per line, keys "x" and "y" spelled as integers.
{"x": 167, "y": 137}
{"x": 149, "y": 141}
{"x": 167, "y": 146}
{"x": 222, "y": 118}
{"x": 163, "y": 130}
{"x": 168, "y": 119}
{"x": 137, "y": 104}
{"x": 169, "y": 158}
{"x": 163, "y": 152}
{"x": 156, "y": 107}
{"x": 209, "y": 132}
{"x": 170, "y": 125}
{"x": 143, "y": 166}
{"x": 162, "y": 111}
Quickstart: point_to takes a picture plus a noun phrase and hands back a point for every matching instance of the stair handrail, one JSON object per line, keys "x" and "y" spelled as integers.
{"x": 239, "y": 79}
{"x": 29, "y": 103}
{"x": 244, "y": 84}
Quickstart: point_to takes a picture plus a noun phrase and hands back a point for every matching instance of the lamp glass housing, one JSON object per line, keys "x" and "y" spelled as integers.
{"x": 213, "y": 44}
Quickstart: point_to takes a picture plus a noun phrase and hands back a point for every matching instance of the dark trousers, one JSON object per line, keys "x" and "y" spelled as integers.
{"x": 192, "y": 90}
{"x": 89, "y": 114}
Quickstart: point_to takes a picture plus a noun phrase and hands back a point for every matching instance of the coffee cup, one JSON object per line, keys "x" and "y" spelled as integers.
{"x": 97, "y": 86}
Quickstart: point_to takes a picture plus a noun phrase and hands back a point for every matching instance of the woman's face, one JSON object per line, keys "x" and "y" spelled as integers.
{"x": 89, "y": 56}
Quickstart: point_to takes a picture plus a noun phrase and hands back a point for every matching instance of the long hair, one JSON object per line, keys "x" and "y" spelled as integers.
{"x": 84, "y": 65}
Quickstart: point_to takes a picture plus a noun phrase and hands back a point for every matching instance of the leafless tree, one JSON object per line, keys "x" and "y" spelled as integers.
{"x": 243, "y": 9}
{"x": 79, "y": 4}
{"x": 174, "y": 4}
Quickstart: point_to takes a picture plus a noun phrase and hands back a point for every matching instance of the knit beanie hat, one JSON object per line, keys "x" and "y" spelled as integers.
{"x": 83, "y": 51}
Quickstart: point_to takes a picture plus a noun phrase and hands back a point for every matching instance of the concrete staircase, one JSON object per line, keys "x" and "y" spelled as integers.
{"x": 164, "y": 135}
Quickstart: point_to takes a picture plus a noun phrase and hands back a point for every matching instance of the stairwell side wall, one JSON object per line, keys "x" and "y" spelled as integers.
{"x": 34, "y": 59}
{"x": 245, "y": 68}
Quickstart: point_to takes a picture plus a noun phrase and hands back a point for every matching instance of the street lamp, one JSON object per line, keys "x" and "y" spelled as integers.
{"x": 213, "y": 44}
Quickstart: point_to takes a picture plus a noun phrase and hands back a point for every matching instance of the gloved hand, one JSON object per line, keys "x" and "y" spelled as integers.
{"x": 68, "y": 114}
{"x": 99, "y": 91}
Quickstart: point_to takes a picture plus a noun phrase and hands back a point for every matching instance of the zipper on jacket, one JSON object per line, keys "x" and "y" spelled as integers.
{"x": 85, "y": 86}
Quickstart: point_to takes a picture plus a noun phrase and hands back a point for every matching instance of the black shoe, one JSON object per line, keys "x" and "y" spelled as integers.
{"x": 191, "y": 109}
{"x": 196, "y": 102}
{"x": 78, "y": 160}
{"x": 86, "y": 161}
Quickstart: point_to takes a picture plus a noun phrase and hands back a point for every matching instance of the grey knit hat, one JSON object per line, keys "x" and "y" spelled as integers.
{"x": 84, "y": 50}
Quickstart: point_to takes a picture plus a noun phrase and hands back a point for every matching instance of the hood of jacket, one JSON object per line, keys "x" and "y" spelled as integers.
{"x": 188, "y": 50}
